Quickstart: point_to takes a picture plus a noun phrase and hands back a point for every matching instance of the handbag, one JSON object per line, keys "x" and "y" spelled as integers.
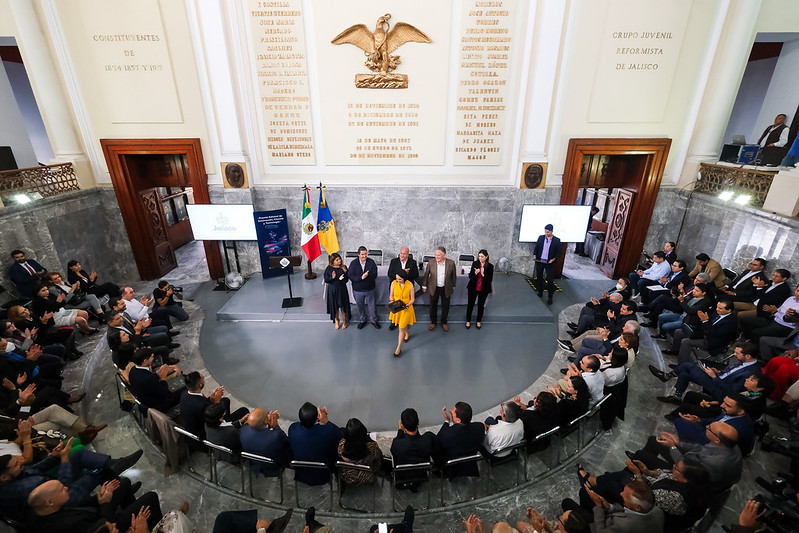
{"x": 396, "y": 306}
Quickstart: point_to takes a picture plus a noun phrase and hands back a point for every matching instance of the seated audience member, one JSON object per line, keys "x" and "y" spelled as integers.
{"x": 44, "y": 331}
{"x": 88, "y": 282}
{"x": 667, "y": 282}
{"x": 573, "y": 399}
{"x": 718, "y": 330}
{"x": 114, "y": 503}
{"x": 721, "y": 456}
{"x": 538, "y": 418}
{"x": 772, "y": 346}
{"x": 357, "y": 447}
{"x": 73, "y": 297}
{"x": 636, "y": 512}
{"x": 710, "y": 266}
{"x": 25, "y": 273}
{"x": 595, "y": 311}
{"x": 248, "y": 522}
{"x": 139, "y": 309}
{"x": 768, "y": 297}
{"x": 599, "y": 340}
{"x": 784, "y": 370}
{"x": 691, "y": 428}
{"x": 165, "y": 296}
{"x": 507, "y": 430}
{"x": 42, "y": 369}
{"x": 44, "y": 304}
{"x": 459, "y": 437}
{"x": 616, "y": 370}
{"x": 23, "y": 340}
{"x": 785, "y": 318}
{"x": 680, "y": 491}
{"x": 567, "y": 522}
{"x": 785, "y": 407}
{"x": 54, "y": 418}
{"x": 741, "y": 290}
{"x": 717, "y": 383}
{"x": 669, "y": 300}
{"x": 314, "y": 438}
{"x": 118, "y": 336}
{"x": 148, "y": 334}
{"x": 17, "y": 480}
{"x": 641, "y": 278}
{"x": 220, "y": 431}
{"x": 151, "y": 388}
{"x": 757, "y": 388}
{"x": 589, "y": 371}
{"x": 670, "y": 251}
{"x": 193, "y": 404}
{"x": 262, "y": 436}
{"x": 699, "y": 300}
{"x": 410, "y": 446}
{"x": 19, "y": 391}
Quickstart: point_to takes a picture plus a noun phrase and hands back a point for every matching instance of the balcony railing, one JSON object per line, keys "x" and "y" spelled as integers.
{"x": 48, "y": 180}
{"x": 720, "y": 178}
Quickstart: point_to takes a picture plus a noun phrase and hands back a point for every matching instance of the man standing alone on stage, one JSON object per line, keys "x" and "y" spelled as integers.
{"x": 403, "y": 262}
{"x": 547, "y": 250}
{"x": 439, "y": 278}
{"x": 363, "y": 273}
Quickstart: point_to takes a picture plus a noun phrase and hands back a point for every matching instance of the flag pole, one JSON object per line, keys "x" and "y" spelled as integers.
{"x": 310, "y": 274}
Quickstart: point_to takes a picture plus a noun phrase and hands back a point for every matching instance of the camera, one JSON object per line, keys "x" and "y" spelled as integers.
{"x": 781, "y": 512}
{"x": 174, "y": 288}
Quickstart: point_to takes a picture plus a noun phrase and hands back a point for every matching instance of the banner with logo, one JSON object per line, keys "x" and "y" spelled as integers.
{"x": 272, "y": 229}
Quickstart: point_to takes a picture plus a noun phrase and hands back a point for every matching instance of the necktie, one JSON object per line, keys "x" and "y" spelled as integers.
{"x": 29, "y": 268}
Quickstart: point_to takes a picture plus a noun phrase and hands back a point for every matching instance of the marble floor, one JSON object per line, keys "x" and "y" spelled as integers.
{"x": 579, "y": 267}
{"x": 644, "y": 416}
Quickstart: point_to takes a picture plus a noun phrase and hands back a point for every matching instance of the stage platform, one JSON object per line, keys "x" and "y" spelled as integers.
{"x": 260, "y": 300}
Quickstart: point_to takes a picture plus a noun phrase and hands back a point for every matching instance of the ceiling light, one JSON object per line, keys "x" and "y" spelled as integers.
{"x": 743, "y": 199}
{"x": 726, "y": 195}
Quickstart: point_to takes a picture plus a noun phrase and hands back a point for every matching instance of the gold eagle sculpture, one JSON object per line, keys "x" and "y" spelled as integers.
{"x": 377, "y": 47}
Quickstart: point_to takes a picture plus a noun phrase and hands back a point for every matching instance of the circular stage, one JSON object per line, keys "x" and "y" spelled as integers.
{"x": 277, "y": 359}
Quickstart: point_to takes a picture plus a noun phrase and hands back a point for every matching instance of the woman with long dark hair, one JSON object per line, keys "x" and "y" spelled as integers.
{"x": 480, "y": 277}
{"x": 357, "y": 447}
{"x": 336, "y": 294}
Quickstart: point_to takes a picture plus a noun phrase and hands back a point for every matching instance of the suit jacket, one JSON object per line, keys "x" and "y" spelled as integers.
{"x": 272, "y": 443}
{"x": 537, "y": 422}
{"x": 615, "y": 520}
{"x": 316, "y": 443}
{"x": 723, "y": 464}
{"x": 411, "y": 449}
{"x": 396, "y": 265}
{"x": 745, "y": 292}
{"x": 227, "y": 436}
{"x": 732, "y": 383}
{"x": 488, "y": 277}
{"x": 681, "y": 277}
{"x": 355, "y": 272}
{"x": 23, "y": 279}
{"x": 776, "y": 296}
{"x": 192, "y": 412}
{"x": 719, "y": 336}
{"x": 554, "y": 247}
{"x": 431, "y": 275}
{"x": 670, "y": 256}
{"x": 459, "y": 440}
{"x": 713, "y": 269}
{"x": 151, "y": 390}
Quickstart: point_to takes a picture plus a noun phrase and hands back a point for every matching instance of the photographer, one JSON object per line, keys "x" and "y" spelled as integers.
{"x": 165, "y": 299}
{"x": 758, "y": 516}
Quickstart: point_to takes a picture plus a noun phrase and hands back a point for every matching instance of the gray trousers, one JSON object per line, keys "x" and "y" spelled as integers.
{"x": 366, "y": 302}
{"x": 773, "y": 346}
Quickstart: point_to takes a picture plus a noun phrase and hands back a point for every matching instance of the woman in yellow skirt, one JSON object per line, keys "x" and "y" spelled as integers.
{"x": 402, "y": 289}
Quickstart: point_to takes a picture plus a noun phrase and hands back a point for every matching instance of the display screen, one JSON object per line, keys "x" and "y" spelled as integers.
{"x": 221, "y": 222}
{"x": 570, "y": 222}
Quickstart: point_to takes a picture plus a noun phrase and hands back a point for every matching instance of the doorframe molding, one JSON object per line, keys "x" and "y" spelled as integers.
{"x": 115, "y": 151}
{"x": 657, "y": 151}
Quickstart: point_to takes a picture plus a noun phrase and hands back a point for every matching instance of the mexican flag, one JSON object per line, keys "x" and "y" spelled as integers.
{"x": 310, "y": 240}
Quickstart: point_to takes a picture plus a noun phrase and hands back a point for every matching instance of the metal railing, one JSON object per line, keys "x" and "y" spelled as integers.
{"x": 720, "y": 178}
{"x": 47, "y": 180}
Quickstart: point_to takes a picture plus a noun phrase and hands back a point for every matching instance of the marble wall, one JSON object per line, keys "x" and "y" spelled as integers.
{"x": 728, "y": 233}
{"x": 82, "y": 225}
{"x": 462, "y": 220}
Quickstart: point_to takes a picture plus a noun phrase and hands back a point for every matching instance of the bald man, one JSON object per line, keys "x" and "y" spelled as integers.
{"x": 405, "y": 262}
{"x": 262, "y": 436}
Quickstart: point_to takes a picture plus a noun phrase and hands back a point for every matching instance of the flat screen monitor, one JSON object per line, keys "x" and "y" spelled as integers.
{"x": 570, "y": 222}
{"x": 222, "y": 222}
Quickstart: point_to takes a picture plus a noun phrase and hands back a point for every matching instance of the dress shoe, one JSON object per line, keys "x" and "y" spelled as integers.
{"x": 564, "y": 370}
{"x": 76, "y": 396}
{"x": 468, "y": 325}
{"x": 310, "y": 519}
{"x": 658, "y": 336}
{"x": 566, "y": 345}
{"x": 172, "y": 360}
{"x": 572, "y": 358}
{"x": 549, "y": 300}
{"x": 361, "y": 325}
{"x": 673, "y": 366}
{"x": 117, "y": 466}
{"x": 573, "y": 333}
{"x": 431, "y": 327}
{"x": 479, "y": 325}
{"x": 397, "y": 354}
{"x": 648, "y": 325}
{"x": 74, "y": 355}
{"x": 445, "y": 327}
{"x": 572, "y": 325}
{"x": 376, "y": 325}
{"x": 407, "y": 518}
{"x": 87, "y": 435}
{"x": 173, "y": 345}
{"x": 541, "y": 294}
{"x": 669, "y": 352}
{"x": 662, "y": 376}
{"x": 174, "y": 332}
{"x": 135, "y": 487}
{"x": 392, "y": 327}
{"x": 670, "y": 399}
{"x": 671, "y": 417}
{"x": 278, "y": 525}
{"x": 630, "y": 455}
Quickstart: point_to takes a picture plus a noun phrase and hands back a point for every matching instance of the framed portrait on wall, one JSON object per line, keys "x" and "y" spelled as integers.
{"x": 234, "y": 175}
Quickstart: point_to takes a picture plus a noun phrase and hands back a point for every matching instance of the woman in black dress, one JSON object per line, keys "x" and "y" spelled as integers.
{"x": 338, "y": 299}
{"x": 480, "y": 277}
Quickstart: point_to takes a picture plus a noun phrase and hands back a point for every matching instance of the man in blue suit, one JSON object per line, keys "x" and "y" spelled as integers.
{"x": 263, "y": 436}
{"x": 691, "y": 428}
{"x": 547, "y": 250}
{"x": 312, "y": 441}
{"x": 25, "y": 273}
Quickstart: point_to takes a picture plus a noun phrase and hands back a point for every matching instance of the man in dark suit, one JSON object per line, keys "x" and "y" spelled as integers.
{"x": 25, "y": 273}
{"x": 405, "y": 262}
{"x": 193, "y": 404}
{"x": 741, "y": 289}
{"x": 312, "y": 441}
{"x": 673, "y": 279}
{"x": 221, "y": 432}
{"x": 718, "y": 330}
{"x": 149, "y": 387}
{"x": 409, "y": 446}
{"x": 547, "y": 250}
{"x": 691, "y": 428}
{"x": 770, "y": 321}
{"x": 439, "y": 279}
{"x": 363, "y": 273}
{"x": 262, "y": 436}
{"x": 718, "y": 383}
{"x": 460, "y": 437}
{"x": 539, "y": 420}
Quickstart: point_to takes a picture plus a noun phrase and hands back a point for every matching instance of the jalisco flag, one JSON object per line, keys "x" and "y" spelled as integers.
{"x": 325, "y": 225}
{"x": 310, "y": 240}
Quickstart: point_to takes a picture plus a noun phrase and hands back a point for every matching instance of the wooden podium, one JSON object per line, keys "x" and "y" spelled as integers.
{"x": 284, "y": 262}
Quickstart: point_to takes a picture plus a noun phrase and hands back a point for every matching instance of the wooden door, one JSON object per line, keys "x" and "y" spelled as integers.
{"x": 617, "y": 223}
{"x": 158, "y": 238}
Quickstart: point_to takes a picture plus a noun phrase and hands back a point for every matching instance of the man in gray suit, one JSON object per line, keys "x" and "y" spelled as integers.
{"x": 439, "y": 280}
{"x": 636, "y": 515}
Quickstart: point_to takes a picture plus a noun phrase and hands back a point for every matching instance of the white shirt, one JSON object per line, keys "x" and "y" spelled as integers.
{"x": 441, "y": 270}
{"x": 657, "y": 271}
{"x": 782, "y": 141}
{"x": 136, "y": 310}
{"x": 746, "y": 277}
{"x": 779, "y": 316}
{"x": 503, "y": 434}
{"x": 596, "y": 386}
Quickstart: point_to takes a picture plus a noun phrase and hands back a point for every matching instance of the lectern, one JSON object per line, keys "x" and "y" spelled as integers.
{"x": 284, "y": 262}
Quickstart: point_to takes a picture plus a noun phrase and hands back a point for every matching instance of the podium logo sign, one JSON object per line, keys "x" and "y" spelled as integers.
{"x": 377, "y": 46}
